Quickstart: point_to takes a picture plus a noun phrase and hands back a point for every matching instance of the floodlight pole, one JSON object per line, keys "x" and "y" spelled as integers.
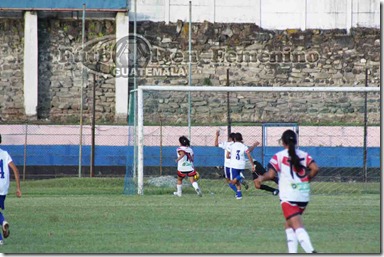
{"x": 228, "y": 109}
{"x": 93, "y": 121}
{"x": 25, "y": 150}
{"x": 365, "y": 128}
{"x": 190, "y": 68}
{"x": 81, "y": 90}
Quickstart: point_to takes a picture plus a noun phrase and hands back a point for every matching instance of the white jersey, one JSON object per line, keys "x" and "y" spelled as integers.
{"x": 5, "y": 159}
{"x": 225, "y": 145}
{"x": 293, "y": 185}
{"x": 237, "y": 151}
{"x": 185, "y": 163}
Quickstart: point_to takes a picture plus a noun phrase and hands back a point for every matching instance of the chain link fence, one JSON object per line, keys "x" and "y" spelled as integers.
{"x": 334, "y": 128}
{"x": 51, "y": 151}
{"x": 345, "y": 153}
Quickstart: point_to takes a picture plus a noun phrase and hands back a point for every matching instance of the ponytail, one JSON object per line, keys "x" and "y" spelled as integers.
{"x": 289, "y": 138}
{"x": 295, "y": 160}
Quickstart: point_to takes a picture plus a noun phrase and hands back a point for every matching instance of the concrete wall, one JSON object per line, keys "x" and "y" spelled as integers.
{"x": 269, "y": 14}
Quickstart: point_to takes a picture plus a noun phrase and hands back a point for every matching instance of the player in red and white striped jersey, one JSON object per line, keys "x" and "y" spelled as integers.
{"x": 295, "y": 169}
{"x": 185, "y": 167}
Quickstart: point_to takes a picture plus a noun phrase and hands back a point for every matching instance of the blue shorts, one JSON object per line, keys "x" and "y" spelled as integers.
{"x": 232, "y": 173}
{"x": 2, "y": 200}
{"x": 227, "y": 172}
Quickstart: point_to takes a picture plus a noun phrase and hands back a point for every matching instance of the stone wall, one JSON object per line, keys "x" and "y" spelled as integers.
{"x": 254, "y": 57}
{"x": 257, "y": 57}
{"x": 268, "y": 58}
{"x": 60, "y": 80}
{"x": 11, "y": 69}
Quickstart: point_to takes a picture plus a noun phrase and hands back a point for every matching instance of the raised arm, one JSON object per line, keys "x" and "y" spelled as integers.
{"x": 16, "y": 173}
{"x": 217, "y": 137}
{"x": 253, "y": 146}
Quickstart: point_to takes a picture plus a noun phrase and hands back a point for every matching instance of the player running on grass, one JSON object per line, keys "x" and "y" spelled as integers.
{"x": 185, "y": 166}
{"x": 227, "y": 162}
{"x": 295, "y": 169}
{"x": 235, "y": 152}
{"x": 5, "y": 163}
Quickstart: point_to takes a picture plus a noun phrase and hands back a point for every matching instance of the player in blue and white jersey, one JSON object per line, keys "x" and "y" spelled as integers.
{"x": 5, "y": 163}
{"x": 236, "y": 153}
{"x": 227, "y": 162}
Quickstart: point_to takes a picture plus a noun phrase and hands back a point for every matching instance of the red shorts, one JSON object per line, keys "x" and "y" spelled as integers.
{"x": 291, "y": 209}
{"x": 183, "y": 174}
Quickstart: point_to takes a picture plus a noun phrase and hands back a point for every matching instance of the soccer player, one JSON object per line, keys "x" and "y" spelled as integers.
{"x": 185, "y": 167}
{"x": 5, "y": 163}
{"x": 259, "y": 170}
{"x": 227, "y": 162}
{"x": 295, "y": 169}
{"x": 235, "y": 152}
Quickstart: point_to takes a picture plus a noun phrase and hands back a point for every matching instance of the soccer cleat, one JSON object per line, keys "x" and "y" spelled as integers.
{"x": 176, "y": 194}
{"x": 276, "y": 192}
{"x": 245, "y": 184}
{"x": 5, "y": 229}
{"x": 198, "y": 191}
{"x": 239, "y": 195}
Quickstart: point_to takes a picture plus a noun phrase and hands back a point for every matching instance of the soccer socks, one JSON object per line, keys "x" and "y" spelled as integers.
{"x": 239, "y": 195}
{"x": 303, "y": 238}
{"x": 267, "y": 188}
{"x": 1, "y": 218}
{"x": 233, "y": 187}
{"x": 195, "y": 185}
{"x": 239, "y": 178}
{"x": 291, "y": 240}
{"x": 179, "y": 189}
{"x": 294, "y": 237}
{"x": 1, "y": 223}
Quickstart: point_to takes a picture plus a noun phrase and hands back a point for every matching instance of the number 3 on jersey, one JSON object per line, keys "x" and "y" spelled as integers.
{"x": 1, "y": 169}
{"x": 238, "y": 155}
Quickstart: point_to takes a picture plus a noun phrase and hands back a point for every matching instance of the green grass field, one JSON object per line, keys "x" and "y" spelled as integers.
{"x": 91, "y": 215}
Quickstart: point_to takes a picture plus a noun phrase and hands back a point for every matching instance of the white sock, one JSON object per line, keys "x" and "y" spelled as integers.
{"x": 179, "y": 189}
{"x": 291, "y": 240}
{"x": 195, "y": 185}
{"x": 304, "y": 240}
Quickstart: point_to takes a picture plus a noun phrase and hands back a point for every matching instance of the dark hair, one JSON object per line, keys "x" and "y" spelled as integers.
{"x": 232, "y": 136}
{"x": 238, "y": 137}
{"x": 289, "y": 138}
{"x": 184, "y": 141}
